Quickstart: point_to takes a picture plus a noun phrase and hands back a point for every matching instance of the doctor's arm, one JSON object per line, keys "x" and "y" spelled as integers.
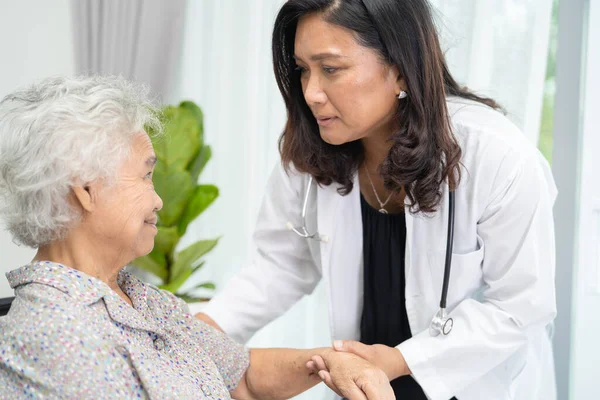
{"x": 281, "y": 374}
{"x": 518, "y": 271}
{"x": 281, "y": 272}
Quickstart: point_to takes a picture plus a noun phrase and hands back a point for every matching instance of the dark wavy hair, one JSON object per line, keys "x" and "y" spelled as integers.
{"x": 424, "y": 152}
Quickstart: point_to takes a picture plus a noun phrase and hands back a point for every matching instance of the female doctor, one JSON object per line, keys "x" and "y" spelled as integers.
{"x": 412, "y": 198}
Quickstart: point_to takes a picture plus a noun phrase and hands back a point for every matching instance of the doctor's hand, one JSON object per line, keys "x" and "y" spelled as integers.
{"x": 389, "y": 359}
{"x": 351, "y": 376}
{"x": 208, "y": 320}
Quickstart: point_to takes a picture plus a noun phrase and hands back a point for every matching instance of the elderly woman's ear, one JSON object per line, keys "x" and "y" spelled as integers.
{"x": 86, "y": 196}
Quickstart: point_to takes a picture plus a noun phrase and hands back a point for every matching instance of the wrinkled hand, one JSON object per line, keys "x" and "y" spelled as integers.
{"x": 351, "y": 376}
{"x": 389, "y": 359}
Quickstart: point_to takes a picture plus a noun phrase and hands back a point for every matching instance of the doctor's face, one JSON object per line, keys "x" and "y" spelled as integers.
{"x": 350, "y": 90}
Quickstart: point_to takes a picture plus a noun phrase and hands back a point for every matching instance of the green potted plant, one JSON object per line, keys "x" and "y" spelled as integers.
{"x": 181, "y": 155}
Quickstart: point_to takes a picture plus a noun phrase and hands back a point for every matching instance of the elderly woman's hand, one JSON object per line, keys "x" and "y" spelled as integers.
{"x": 351, "y": 377}
{"x": 389, "y": 359}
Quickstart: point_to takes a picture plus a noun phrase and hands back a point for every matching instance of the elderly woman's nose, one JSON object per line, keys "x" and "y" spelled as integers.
{"x": 158, "y": 204}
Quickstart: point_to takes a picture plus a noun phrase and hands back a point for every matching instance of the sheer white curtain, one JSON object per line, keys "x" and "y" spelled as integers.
{"x": 138, "y": 39}
{"x": 497, "y": 48}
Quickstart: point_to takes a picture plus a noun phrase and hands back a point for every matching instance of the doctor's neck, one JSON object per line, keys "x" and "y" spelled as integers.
{"x": 376, "y": 148}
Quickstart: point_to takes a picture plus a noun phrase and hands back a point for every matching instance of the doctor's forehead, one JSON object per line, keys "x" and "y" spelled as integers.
{"x": 317, "y": 40}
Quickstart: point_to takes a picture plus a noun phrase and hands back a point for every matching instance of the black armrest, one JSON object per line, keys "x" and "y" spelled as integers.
{"x": 5, "y": 305}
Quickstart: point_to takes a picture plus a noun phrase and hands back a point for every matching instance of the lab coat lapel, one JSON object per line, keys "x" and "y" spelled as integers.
{"x": 423, "y": 231}
{"x": 340, "y": 219}
{"x": 327, "y": 198}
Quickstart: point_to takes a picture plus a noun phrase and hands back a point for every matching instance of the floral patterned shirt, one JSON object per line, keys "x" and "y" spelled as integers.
{"x": 69, "y": 336}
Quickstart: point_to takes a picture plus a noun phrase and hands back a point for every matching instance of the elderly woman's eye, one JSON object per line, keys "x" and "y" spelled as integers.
{"x": 329, "y": 70}
{"x": 149, "y": 175}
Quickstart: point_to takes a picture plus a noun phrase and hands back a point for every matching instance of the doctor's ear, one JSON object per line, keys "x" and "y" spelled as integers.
{"x": 399, "y": 81}
{"x": 401, "y": 85}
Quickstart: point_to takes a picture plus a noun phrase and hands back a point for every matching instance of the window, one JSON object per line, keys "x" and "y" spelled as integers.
{"x": 547, "y": 124}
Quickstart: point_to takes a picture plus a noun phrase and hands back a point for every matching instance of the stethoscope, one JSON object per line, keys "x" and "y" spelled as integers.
{"x": 440, "y": 322}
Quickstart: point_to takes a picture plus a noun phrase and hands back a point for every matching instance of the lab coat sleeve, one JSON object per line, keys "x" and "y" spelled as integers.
{"x": 518, "y": 270}
{"x": 282, "y": 270}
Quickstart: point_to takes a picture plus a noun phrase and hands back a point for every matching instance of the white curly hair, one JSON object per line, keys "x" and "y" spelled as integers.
{"x": 61, "y": 132}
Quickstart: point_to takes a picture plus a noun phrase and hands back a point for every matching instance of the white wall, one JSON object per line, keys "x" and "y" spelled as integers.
{"x": 567, "y": 169}
{"x": 586, "y": 286}
{"x": 35, "y": 41}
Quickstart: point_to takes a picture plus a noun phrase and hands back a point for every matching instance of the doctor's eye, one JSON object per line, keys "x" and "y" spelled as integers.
{"x": 300, "y": 69}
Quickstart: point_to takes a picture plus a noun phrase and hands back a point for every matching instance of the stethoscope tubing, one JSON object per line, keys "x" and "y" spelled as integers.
{"x": 449, "y": 246}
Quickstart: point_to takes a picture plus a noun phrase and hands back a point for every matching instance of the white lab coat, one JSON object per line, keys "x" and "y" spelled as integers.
{"x": 501, "y": 293}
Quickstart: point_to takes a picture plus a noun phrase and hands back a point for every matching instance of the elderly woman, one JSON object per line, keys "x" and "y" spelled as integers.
{"x": 76, "y": 184}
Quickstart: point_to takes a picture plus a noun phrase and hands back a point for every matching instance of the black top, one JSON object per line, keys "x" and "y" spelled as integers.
{"x": 384, "y": 319}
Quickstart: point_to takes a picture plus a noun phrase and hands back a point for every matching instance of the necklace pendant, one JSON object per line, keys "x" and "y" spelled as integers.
{"x": 383, "y": 211}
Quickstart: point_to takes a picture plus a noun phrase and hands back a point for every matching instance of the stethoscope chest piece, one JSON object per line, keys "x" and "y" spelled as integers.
{"x": 441, "y": 323}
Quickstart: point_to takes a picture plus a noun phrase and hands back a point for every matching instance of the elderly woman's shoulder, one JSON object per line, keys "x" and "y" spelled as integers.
{"x": 40, "y": 313}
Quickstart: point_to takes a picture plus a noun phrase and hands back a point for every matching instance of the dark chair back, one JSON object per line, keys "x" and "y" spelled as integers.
{"x": 5, "y": 305}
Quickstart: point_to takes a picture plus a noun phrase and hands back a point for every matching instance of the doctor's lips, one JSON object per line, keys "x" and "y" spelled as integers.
{"x": 324, "y": 120}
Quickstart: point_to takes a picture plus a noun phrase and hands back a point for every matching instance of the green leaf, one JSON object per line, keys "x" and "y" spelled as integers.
{"x": 199, "y": 162}
{"x": 149, "y": 128}
{"x": 147, "y": 263}
{"x": 181, "y": 139}
{"x": 203, "y": 196}
{"x": 166, "y": 239}
{"x": 182, "y": 157}
{"x": 160, "y": 168}
{"x": 189, "y": 256}
{"x": 191, "y": 299}
{"x": 175, "y": 189}
{"x": 205, "y": 285}
{"x": 158, "y": 257}
{"x": 198, "y": 115}
{"x": 174, "y": 285}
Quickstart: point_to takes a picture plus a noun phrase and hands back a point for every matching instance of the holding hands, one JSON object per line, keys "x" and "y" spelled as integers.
{"x": 358, "y": 371}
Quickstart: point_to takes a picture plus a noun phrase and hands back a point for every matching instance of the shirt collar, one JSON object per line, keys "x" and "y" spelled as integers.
{"x": 80, "y": 286}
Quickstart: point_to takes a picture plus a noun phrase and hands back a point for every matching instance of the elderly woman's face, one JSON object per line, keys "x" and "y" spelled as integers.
{"x": 351, "y": 92}
{"x": 125, "y": 216}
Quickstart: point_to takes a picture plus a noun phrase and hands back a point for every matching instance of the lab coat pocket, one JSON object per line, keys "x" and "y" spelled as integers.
{"x": 466, "y": 275}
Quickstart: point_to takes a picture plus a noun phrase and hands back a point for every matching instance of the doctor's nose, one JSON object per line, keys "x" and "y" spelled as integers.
{"x": 313, "y": 92}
